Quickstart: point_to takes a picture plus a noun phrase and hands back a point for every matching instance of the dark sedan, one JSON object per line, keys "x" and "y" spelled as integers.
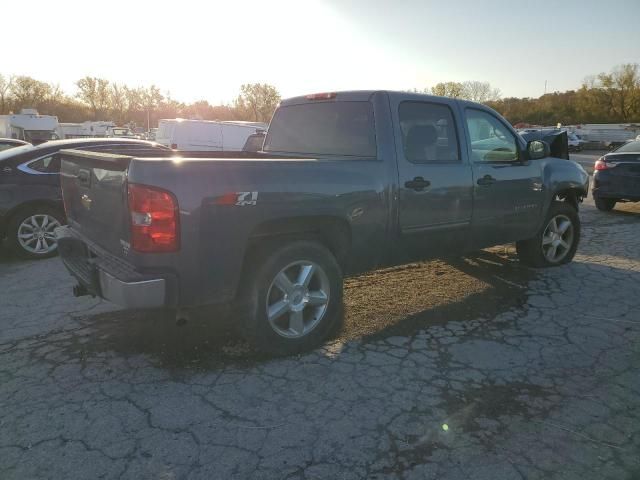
{"x": 617, "y": 176}
{"x": 6, "y": 143}
{"x": 30, "y": 197}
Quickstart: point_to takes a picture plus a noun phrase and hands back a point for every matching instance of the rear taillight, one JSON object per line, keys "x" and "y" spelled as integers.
{"x": 174, "y": 146}
{"x": 601, "y": 164}
{"x": 154, "y": 219}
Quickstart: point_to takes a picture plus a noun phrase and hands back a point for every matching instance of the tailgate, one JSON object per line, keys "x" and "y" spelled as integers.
{"x": 94, "y": 188}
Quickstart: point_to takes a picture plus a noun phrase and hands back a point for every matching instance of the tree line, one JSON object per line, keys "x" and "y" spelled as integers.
{"x": 609, "y": 97}
{"x": 100, "y": 99}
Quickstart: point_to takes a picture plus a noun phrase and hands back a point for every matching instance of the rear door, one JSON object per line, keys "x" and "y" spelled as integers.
{"x": 435, "y": 180}
{"x": 508, "y": 188}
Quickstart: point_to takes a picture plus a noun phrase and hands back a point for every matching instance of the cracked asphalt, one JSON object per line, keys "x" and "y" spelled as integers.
{"x": 472, "y": 368}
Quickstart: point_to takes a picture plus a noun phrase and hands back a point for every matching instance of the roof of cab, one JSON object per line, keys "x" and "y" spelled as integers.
{"x": 365, "y": 95}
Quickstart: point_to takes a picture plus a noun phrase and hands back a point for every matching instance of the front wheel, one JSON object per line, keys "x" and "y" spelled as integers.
{"x": 556, "y": 242}
{"x": 605, "y": 204}
{"x": 294, "y": 298}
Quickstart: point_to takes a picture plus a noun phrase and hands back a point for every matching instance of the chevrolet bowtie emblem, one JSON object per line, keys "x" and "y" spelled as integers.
{"x": 86, "y": 201}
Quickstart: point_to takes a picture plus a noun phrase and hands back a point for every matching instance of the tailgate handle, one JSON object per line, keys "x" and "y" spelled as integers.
{"x": 84, "y": 177}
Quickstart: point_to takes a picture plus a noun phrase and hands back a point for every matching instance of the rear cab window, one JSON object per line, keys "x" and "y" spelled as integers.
{"x": 323, "y": 128}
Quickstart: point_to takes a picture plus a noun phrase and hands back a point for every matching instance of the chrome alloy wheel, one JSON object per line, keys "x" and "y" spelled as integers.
{"x": 297, "y": 299}
{"x": 557, "y": 239}
{"x": 36, "y": 234}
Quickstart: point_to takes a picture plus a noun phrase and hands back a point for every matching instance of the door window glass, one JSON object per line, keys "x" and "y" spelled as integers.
{"x": 491, "y": 140}
{"x": 428, "y": 133}
{"x": 48, "y": 164}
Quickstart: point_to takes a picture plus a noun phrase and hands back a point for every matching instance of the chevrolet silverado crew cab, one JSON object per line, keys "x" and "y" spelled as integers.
{"x": 346, "y": 182}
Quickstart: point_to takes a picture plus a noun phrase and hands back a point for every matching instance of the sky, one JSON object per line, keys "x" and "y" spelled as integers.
{"x": 206, "y": 49}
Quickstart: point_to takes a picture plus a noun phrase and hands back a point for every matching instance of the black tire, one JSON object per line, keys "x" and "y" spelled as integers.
{"x": 531, "y": 252}
{"x": 13, "y": 230}
{"x": 261, "y": 291}
{"x": 605, "y": 204}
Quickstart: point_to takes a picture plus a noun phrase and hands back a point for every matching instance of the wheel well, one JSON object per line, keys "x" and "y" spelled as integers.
{"x": 27, "y": 206}
{"x": 332, "y": 232}
{"x": 572, "y": 196}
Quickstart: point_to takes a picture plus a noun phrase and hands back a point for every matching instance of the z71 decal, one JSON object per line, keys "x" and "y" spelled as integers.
{"x": 247, "y": 198}
{"x": 240, "y": 199}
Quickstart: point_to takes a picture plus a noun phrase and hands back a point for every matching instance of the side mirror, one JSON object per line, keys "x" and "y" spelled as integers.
{"x": 538, "y": 149}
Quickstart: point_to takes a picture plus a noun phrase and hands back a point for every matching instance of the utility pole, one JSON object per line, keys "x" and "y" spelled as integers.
{"x": 545, "y": 87}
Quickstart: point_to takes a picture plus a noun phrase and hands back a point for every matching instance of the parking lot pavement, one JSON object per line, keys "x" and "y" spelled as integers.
{"x": 543, "y": 384}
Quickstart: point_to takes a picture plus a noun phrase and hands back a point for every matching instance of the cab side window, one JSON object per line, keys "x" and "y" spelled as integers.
{"x": 490, "y": 140}
{"x": 428, "y": 133}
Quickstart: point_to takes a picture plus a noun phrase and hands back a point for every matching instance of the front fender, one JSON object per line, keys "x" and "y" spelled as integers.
{"x": 562, "y": 176}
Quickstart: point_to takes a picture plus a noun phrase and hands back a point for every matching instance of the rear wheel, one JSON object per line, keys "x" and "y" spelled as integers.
{"x": 31, "y": 231}
{"x": 293, "y": 298}
{"x": 605, "y": 204}
{"x": 556, "y": 242}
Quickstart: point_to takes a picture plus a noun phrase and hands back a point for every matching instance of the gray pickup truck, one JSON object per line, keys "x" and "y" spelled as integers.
{"x": 346, "y": 182}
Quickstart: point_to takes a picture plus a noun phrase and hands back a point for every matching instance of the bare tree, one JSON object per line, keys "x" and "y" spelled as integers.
{"x": 118, "y": 101}
{"x": 94, "y": 92}
{"x": 480, "y": 92}
{"x": 5, "y": 90}
{"x": 28, "y": 92}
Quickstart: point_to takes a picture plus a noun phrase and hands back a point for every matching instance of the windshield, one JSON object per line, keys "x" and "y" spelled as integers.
{"x": 631, "y": 147}
{"x": 325, "y": 128}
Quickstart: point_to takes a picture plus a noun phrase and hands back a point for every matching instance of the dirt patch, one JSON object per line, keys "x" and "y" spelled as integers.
{"x": 395, "y": 301}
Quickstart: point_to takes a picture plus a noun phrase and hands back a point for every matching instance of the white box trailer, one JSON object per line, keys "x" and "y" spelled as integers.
{"x": 28, "y": 125}
{"x": 607, "y": 132}
{"x": 205, "y": 135}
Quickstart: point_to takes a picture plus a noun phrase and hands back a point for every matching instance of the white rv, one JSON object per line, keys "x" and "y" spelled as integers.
{"x": 28, "y": 125}
{"x": 204, "y": 135}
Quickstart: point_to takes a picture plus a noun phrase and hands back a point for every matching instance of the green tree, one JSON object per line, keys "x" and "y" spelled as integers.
{"x": 257, "y": 102}
{"x": 448, "y": 89}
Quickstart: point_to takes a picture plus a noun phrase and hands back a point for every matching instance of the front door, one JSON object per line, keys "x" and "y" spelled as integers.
{"x": 435, "y": 181}
{"x": 508, "y": 188}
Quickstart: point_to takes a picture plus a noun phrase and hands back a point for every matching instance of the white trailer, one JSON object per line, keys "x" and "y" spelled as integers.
{"x": 28, "y": 125}
{"x": 205, "y": 135}
{"x": 607, "y": 133}
{"x": 85, "y": 129}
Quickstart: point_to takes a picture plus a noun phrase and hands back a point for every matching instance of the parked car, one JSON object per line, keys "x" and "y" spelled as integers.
{"x": 334, "y": 193}
{"x": 203, "y": 135}
{"x": 30, "y": 197}
{"x": 254, "y": 142}
{"x": 7, "y": 143}
{"x": 616, "y": 176}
